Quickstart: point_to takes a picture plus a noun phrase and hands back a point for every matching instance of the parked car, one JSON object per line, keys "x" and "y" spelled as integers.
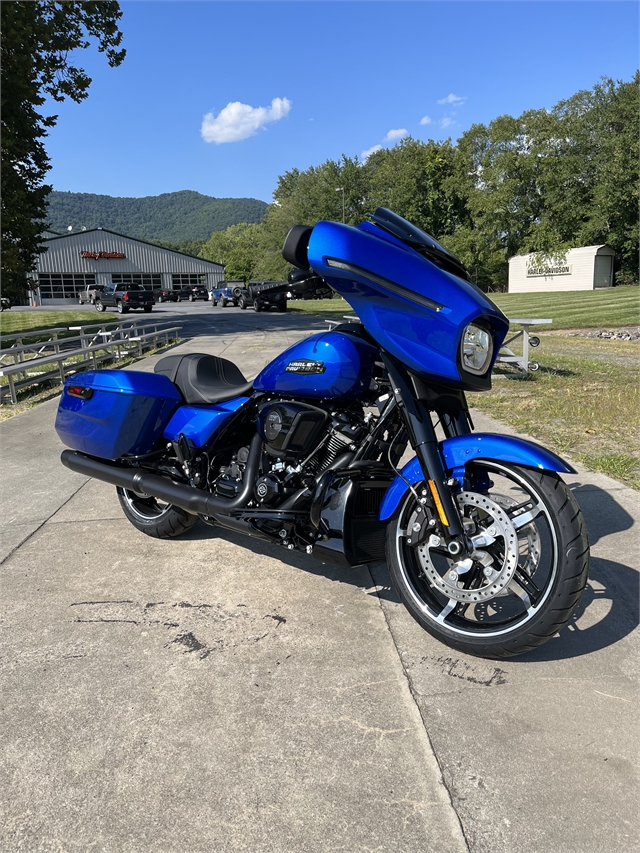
{"x": 89, "y": 295}
{"x": 263, "y": 295}
{"x": 123, "y": 297}
{"x": 163, "y": 295}
{"x": 227, "y": 294}
{"x": 195, "y": 293}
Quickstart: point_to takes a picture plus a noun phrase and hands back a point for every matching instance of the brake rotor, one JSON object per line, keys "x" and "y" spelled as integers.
{"x": 495, "y": 525}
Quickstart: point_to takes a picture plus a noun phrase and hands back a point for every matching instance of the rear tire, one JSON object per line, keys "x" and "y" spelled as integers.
{"x": 534, "y": 572}
{"x": 153, "y": 517}
{"x": 241, "y": 303}
{"x": 148, "y": 309}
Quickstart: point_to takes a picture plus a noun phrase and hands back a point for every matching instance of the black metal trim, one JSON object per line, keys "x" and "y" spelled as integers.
{"x": 380, "y": 281}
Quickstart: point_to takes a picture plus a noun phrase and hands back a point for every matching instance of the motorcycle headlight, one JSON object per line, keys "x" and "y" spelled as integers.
{"x": 476, "y": 349}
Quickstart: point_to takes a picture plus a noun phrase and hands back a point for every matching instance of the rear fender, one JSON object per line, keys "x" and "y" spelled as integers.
{"x": 462, "y": 449}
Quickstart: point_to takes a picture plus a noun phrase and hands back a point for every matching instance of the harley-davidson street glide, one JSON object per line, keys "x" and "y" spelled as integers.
{"x": 485, "y": 544}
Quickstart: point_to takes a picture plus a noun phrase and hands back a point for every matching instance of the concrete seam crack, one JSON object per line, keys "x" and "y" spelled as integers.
{"x": 424, "y": 725}
{"x": 42, "y": 524}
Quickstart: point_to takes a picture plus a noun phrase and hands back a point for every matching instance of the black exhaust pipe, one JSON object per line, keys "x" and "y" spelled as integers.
{"x": 194, "y": 501}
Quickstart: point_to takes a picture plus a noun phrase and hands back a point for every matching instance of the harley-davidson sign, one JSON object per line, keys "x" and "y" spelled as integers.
{"x": 97, "y": 256}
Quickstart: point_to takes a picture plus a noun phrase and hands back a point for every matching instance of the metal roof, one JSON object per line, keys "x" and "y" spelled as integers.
{"x": 64, "y": 254}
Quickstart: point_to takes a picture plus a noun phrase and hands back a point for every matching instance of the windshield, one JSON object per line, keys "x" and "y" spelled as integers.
{"x": 418, "y": 240}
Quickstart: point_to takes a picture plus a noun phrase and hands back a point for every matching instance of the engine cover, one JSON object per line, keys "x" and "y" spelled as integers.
{"x": 290, "y": 430}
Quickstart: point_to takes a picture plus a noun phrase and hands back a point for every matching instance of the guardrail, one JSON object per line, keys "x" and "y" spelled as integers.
{"x": 94, "y": 344}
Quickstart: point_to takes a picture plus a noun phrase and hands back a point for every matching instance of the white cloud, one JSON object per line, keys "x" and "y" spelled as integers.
{"x": 445, "y": 122}
{"x": 452, "y": 99}
{"x": 396, "y": 134}
{"x": 425, "y": 120}
{"x": 366, "y": 154}
{"x": 238, "y": 121}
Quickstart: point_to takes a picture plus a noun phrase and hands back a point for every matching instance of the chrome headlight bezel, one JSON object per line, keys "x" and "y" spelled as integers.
{"x": 476, "y": 350}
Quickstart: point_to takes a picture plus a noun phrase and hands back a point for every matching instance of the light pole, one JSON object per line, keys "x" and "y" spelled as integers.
{"x": 341, "y": 190}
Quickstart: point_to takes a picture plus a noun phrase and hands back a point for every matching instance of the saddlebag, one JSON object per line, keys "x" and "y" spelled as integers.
{"x": 110, "y": 413}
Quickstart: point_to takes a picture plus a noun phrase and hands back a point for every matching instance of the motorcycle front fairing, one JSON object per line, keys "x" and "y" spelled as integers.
{"x": 413, "y": 309}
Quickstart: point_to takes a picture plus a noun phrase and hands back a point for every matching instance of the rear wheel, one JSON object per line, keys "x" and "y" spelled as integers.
{"x": 154, "y": 517}
{"x": 241, "y": 303}
{"x": 121, "y": 308}
{"x": 148, "y": 309}
{"x": 528, "y": 570}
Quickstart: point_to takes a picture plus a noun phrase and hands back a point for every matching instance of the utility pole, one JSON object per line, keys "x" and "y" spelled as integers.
{"x": 341, "y": 190}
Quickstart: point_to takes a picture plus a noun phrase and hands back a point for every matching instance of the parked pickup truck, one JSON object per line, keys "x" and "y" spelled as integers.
{"x": 89, "y": 295}
{"x": 123, "y": 297}
{"x": 263, "y": 295}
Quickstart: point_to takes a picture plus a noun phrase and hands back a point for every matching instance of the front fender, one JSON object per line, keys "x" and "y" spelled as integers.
{"x": 461, "y": 449}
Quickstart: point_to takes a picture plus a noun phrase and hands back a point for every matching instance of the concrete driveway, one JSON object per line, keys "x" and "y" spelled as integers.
{"x": 220, "y": 694}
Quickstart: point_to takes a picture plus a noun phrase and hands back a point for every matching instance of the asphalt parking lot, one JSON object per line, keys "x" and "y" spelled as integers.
{"x": 216, "y": 693}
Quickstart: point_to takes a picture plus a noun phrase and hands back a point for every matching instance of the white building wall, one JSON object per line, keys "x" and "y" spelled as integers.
{"x": 581, "y": 274}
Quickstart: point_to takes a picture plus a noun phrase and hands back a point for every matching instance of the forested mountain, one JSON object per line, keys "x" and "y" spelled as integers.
{"x": 170, "y": 217}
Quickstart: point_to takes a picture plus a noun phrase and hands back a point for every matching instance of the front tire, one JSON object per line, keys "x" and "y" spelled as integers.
{"x": 257, "y": 307}
{"x": 153, "y": 517}
{"x": 529, "y": 569}
{"x": 99, "y": 305}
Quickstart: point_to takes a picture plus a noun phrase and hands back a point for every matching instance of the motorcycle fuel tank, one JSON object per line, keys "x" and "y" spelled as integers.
{"x": 327, "y": 365}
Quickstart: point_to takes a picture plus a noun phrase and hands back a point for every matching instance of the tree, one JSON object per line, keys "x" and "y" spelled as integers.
{"x": 35, "y": 44}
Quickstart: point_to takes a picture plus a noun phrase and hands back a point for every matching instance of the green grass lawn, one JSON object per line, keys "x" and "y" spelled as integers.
{"x": 586, "y": 309}
{"x": 583, "y": 401}
{"x": 12, "y": 322}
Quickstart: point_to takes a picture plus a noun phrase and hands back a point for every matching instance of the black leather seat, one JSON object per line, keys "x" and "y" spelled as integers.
{"x": 204, "y": 378}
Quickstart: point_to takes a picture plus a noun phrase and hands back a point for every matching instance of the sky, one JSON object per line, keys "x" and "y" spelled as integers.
{"x": 224, "y": 97}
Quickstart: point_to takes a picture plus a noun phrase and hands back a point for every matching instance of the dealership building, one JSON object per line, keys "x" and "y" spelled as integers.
{"x": 99, "y": 257}
{"x": 585, "y": 268}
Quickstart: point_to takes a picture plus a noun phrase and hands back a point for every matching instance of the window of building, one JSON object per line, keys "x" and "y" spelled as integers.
{"x": 188, "y": 279}
{"x": 63, "y": 285}
{"x": 144, "y": 279}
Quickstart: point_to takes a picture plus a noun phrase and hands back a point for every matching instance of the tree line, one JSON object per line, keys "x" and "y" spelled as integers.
{"x": 543, "y": 182}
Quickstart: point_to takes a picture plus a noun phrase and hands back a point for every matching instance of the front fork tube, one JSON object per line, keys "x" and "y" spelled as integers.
{"x": 423, "y": 439}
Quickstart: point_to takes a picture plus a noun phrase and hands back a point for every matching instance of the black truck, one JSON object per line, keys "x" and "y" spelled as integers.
{"x": 123, "y": 297}
{"x": 263, "y": 295}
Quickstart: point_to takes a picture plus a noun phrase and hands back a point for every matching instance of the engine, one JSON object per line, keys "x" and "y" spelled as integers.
{"x": 300, "y": 442}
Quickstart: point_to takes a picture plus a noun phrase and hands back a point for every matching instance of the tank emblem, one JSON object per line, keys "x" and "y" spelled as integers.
{"x": 304, "y": 366}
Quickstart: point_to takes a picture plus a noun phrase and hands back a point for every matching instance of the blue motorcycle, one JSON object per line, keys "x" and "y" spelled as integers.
{"x": 486, "y": 546}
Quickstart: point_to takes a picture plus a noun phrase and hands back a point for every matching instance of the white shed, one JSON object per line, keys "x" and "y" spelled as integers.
{"x": 581, "y": 269}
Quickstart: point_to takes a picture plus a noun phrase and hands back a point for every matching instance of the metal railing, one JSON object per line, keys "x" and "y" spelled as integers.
{"x": 29, "y": 364}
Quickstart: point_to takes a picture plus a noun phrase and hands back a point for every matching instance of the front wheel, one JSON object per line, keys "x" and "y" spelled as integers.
{"x": 257, "y": 307}
{"x": 527, "y": 572}
{"x": 99, "y": 305}
{"x": 154, "y": 517}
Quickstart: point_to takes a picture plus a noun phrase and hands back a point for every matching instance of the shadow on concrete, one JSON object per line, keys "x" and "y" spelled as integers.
{"x": 609, "y": 581}
{"x": 603, "y": 514}
{"x": 358, "y": 576}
